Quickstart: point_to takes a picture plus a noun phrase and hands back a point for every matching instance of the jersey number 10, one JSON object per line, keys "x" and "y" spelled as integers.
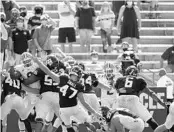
{"x": 64, "y": 89}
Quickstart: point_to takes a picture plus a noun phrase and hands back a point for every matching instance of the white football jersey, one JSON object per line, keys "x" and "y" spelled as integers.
{"x": 27, "y": 72}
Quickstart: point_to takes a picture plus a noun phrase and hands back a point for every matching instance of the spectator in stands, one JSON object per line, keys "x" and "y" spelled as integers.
{"x": 5, "y": 39}
{"x": 130, "y": 27}
{"x": 127, "y": 58}
{"x": 168, "y": 56}
{"x": 23, "y": 13}
{"x": 20, "y": 38}
{"x": 94, "y": 57}
{"x": 116, "y": 5}
{"x": 106, "y": 21}
{"x": 42, "y": 35}
{"x": 66, "y": 24}
{"x": 34, "y": 22}
{"x": 12, "y": 21}
{"x": 8, "y": 5}
{"x": 153, "y": 6}
{"x": 85, "y": 22}
{"x": 79, "y": 3}
{"x": 165, "y": 81}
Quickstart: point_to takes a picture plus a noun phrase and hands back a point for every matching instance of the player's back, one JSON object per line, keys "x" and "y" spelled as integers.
{"x": 132, "y": 85}
{"x": 68, "y": 91}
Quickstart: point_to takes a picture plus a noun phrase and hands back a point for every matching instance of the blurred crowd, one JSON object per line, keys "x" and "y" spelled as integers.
{"x": 24, "y": 31}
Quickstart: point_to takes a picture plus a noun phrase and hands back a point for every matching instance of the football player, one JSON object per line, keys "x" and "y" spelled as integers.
{"x": 127, "y": 58}
{"x": 129, "y": 88}
{"x": 91, "y": 82}
{"x": 169, "y": 121}
{"x": 26, "y": 69}
{"x": 49, "y": 104}
{"x": 69, "y": 91}
{"x": 13, "y": 91}
{"x": 108, "y": 98}
{"x": 121, "y": 118}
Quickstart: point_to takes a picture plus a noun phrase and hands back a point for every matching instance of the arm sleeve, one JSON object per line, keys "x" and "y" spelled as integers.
{"x": 166, "y": 54}
{"x": 30, "y": 21}
{"x": 116, "y": 84}
{"x": 35, "y": 35}
{"x": 13, "y": 36}
{"x": 143, "y": 84}
{"x": 80, "y": 88}
{"x": 28, "y": 36}
{"x": 77, "y": 12}
{"x": 39, "y": 73}
{"x": 94, "y": 80}
{"x": 93, "y": 12}
{"x": 9, "y": 32}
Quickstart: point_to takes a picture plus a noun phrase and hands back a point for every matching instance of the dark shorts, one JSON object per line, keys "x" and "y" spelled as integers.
{"x": 67, "y": 33}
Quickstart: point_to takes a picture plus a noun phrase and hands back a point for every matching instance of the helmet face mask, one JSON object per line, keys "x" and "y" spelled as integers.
{"x": 26, "y": 59}
{"x": 27, "y": 62}
{"x": 52, "y": 63}
{"x": 109, "y": 70}
{"x": 75, "y": 73}
{"x": 109, "y": 73}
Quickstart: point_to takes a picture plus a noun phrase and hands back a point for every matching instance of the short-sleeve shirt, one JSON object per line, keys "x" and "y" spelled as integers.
{"x": 41, "y": 34}
{"x": 169, "y": 55}
{"x": 106, "y": 20}
{"x": 67, "y": 20}
{"x": 132, "y": 85}
{"x": 20, "y": 39}
{"x": 4, "y": 43}
{"x": 85, "y": 17}
{"x": 68, "y": 92}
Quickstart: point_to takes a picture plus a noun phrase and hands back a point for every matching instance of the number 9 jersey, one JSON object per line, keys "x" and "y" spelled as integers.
{"x": 130, "y": 85}
{"x": 68, "y": 91}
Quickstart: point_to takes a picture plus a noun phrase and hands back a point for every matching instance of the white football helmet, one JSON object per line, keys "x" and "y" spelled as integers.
{"x": 26, "y": 59}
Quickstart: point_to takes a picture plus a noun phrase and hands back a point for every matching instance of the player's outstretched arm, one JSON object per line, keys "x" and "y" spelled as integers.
{"x": 86, "y": 105}
{"x": 29, "y": 89}
{"x": 54, "y": 76}
{"x": 161, "y": 128}
{"x": 154, "y": 96}
{"x": 103, "y": 86}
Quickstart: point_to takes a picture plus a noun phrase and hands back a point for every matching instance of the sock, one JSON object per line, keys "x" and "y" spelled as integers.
{"x": 21, "y": 126}
{"x": 70, "y": 129}
{"x": 153, "y": 124}
{"x": 27, "y": 125}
